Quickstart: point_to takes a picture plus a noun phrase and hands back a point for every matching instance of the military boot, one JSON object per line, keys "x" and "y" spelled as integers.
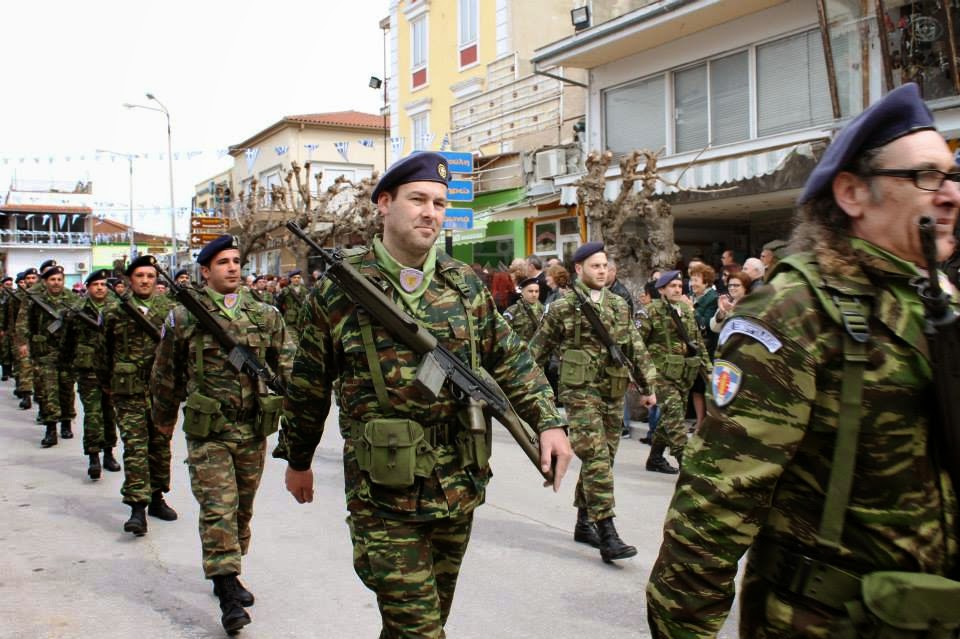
{"x": 245, "y": 596}
{"x": 657, "y": 463}
{"x": 109, "y": 461}
{"x": 50, "y": 437}
{"x": 159, "y": 508}
{"x": 611, "y": 546}
{"x": 137, "y": 524}
{"x": 25, "y": 402}
{"x": 6, "y": 374}
{"x": 66, "y": 429}
{"x": 585, "y": 531}
{"x": 93, "y": 470}
{"x": 234, "y": 616}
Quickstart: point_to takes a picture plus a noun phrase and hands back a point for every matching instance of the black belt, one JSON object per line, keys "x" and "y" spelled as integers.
{"x": 805, "y": 576}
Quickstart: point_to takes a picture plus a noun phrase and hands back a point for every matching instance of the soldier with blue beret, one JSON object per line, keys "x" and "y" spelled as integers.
{"x": 524, "y": 315}
{"x": 819, "y": 454}
{"x": 22, "y": 366}
{"x": 291, "y": 299}
{"x": 410, "y": 513}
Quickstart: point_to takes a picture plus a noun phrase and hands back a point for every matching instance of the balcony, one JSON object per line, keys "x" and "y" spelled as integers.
{"x": 51, "y": 239}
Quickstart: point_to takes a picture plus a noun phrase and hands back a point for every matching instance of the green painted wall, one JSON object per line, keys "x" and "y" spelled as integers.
{"x": 513, "y": 228}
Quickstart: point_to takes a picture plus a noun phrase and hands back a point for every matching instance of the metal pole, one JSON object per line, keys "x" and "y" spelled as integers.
{"x": 385, "y": 100}
{"x": 133, "y": 243}
{"x": 173, "y": 210}
{"x": 448, "y": 241}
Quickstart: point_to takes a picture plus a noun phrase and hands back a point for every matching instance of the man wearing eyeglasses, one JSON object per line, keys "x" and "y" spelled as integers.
{"x": 818, "y": 451}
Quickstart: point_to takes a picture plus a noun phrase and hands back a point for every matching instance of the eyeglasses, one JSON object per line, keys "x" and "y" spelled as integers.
{"x": 924, "y": 179}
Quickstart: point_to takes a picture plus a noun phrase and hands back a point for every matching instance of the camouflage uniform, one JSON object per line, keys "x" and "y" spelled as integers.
{"x": 226, "y": 465}
{"x": 6, "y": 354}
{"x": 524, "y": 318}
{"x": 85, "y": 347}
{"x": 756, "y": 475}
{"x": 130, "y": 352}
{"x": 595, "y": 406}
{"x": 22, "y": 366}
{"x": 290, "y": 301}
{"x": 677, "y": 371}
{"x": 408, "y": 542}
{"x": 55, "y": 393}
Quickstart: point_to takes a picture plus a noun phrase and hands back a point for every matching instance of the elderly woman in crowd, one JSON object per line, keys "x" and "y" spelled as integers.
{"x": 737, "y": 286}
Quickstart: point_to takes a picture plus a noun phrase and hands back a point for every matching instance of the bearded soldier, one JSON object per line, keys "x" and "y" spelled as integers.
{"x": 819, "y": 450}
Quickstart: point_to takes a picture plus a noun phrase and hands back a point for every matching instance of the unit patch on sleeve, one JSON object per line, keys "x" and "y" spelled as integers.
{"x": 725, "y": 382}
{"x": 750, "y": 329}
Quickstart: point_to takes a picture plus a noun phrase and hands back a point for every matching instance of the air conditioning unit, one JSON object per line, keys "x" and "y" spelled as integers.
{"x": 551, "y": 163}
{"x": 80, "y": 266}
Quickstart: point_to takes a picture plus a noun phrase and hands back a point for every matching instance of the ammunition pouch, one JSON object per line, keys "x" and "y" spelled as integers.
{"x": 270, "y": 407}
{"x": 577, "y": 368}
{"x": 202, "y": 416}
{"x": 126, "y": 379}
{"x": 680, "y": 370}
{"x": 84, "y": 356}
{"x": 907, "y": 605}
{"x": 393, "y": 452}
{"x": 38, "y": 345}
{"x": 618, "y": 379}
{"x": 473, "y": 446}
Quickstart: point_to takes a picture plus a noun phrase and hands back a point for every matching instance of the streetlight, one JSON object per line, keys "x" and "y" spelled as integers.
{"x": 129, "y": 157}
{"x": 173, "y": 210}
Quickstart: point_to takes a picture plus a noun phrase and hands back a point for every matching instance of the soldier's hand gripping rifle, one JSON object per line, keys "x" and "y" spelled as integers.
{"x": 943, "y": 336}
{"x": 59, "y": 317}
{"x": 590, "y": 312}
{"x": 438, "y": 364}
{"x": 240, "y": 357}
{"x": 126, "y": 303}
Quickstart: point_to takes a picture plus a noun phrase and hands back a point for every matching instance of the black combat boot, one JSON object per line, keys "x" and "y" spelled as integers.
{"x": 611, "y": 546}
{"x": 93, "y": 470}
{"x": 109, "y": 461}
{"x": 137, "y": 524}
{"x": 25, "y": 402}
{"x": 159, "y": 508}
{"x": 50, "y": 437}
{"x": 234, "y": 616}
{"x": 17, "y": 394}
{"x": 245, "y": 596}
{"x": 66, "y": 429}
{"x": 656, "y": 463}
{"x": 6, "y": 374}
{"x": 585, "y": 531}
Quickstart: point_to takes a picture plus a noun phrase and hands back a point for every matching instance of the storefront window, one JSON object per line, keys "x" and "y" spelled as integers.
{"x": 921, "y": 41}
{"x": 493, "y": 252}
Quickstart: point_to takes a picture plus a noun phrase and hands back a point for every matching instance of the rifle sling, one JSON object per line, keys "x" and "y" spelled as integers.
{"x": 675, "y": 316}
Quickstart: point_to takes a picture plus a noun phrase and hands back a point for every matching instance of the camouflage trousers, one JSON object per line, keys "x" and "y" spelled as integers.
{"x": 56, "y": 392}
{"x": 595, "y": 424}
{"x": 99, "y": 420}
{"x": 23, "y": 373}
{"x": 6, "y": 353}
{"x": 224, "y": 477}
{"x": 672, "y": 427}
{"x": 412, "y": 567}
{"x": 146, "y": 451}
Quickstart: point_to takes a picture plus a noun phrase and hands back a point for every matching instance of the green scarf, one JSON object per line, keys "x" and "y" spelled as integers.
{"x": 391, "y": 268}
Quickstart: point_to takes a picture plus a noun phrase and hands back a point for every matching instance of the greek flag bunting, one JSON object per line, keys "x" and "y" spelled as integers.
{"x": 342, "y": 148}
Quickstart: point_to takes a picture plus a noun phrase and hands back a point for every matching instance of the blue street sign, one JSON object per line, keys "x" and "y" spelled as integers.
{"x": 459, "y": 219}
{"x": 460, "y": 191}
{"x": 458, "y": 162}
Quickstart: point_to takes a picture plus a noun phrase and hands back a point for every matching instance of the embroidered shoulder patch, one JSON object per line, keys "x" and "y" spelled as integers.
{"x": 508, "y": 315}
{"x": 750, "y": 329}
{"x": 725, "y": 382}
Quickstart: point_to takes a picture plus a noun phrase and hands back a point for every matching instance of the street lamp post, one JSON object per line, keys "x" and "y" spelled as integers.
{"x": 129, "y": 157}
{"x": 173, "y": 211}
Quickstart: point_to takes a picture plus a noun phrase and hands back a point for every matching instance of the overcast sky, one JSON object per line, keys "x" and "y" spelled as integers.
{"x": 225, "y": 70}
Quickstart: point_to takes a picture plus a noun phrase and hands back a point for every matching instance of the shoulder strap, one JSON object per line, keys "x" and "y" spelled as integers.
{"x": 850, "y": 313}
{"x": 373, "y": 362}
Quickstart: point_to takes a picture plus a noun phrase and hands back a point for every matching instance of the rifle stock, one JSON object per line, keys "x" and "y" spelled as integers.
{"x": 438, "y": 365}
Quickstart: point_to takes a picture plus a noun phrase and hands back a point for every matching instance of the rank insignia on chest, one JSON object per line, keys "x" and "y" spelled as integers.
{"x": 410, "y": 279}
{"x": 725, "y": 382}
{"x": 230, "y": 300}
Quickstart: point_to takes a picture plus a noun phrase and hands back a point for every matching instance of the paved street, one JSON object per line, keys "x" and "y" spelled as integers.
{"x": 67, "y": 569}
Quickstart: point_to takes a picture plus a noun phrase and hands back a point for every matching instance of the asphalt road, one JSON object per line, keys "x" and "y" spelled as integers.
{"x": 67, "y": 569}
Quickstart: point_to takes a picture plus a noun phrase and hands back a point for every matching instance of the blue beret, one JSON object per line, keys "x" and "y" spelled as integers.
{"x": 527, "y": 282}
{"x": 97, "y": 276}
{"x": 47, "y": 264}
{"x": 423, "y": 166}
{"x": 586, "y": 250}
{"x": 668, "y": 277}
{"x": 295, "y": 271}
{"x": 900, "y": 112}
{"x": 30, "y": 271}
{"x": 52, "y": 270}
{"x": 222, "y": 243}
{"x": 19, "y": 277}
{"x": 6, "y": 278}
{"x": 143, "y": 260}
{"x": 182, "y": 271}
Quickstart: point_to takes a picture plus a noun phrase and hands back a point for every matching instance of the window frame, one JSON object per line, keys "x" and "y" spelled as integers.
{"x": 465, "y": 44}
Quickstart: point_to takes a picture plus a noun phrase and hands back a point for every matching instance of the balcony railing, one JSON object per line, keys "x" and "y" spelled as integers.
{"x": 64, "y": 238}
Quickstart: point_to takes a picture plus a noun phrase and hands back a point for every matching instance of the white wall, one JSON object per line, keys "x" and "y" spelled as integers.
{"x": 20, "y": 259}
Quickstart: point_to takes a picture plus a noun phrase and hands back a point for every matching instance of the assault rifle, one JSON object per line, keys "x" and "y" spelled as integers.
{"x": 126, "y": 303}
{"x": 240, "y": 357}
{"x": 601, "y": 331}
{"x": 943, "y": 336}
{"x": 438, "y": 365}
{"x": 61, "y": 316}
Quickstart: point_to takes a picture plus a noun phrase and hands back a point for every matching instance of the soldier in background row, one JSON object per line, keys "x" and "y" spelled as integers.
{"x": 6, "y": 353}
{"x": 290, "y": 301}
{"x": 23, "y": 367}
{"x": 524, "y": 316}
{"x": 227, "y": 417}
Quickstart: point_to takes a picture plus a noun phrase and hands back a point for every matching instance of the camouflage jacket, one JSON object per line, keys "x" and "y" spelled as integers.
{"x": 290, "y": 301}
{"x": 662, "y": 338}
{"x": 125, "y": 342}
{"x": 177, "y": 368}
{"x": 331, "y": 356}
{"x": 263, "y": 296}
{"x": 10, "y": 308}
{"x": 84, "y": 345}
{"x": 524, "y": 318}
{"x": 32, "y": 322}
{"x": 557, "y": 333}
{"x": 757, "y": 472}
